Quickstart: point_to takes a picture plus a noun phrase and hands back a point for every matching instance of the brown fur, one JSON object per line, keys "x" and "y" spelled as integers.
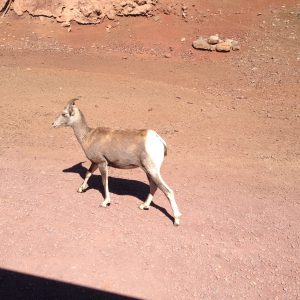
{"x": 122, "y": 149}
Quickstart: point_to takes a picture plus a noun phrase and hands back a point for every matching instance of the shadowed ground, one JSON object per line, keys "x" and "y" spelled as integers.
{"x": 15, "y": 285}
{"x": 119, "y": 186}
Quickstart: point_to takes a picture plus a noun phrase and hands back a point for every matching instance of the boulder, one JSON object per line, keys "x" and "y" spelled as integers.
{"x": 201, "y": 44}
{"x": 223, "y": 47}
{"x": 235, "y": 46}
{"x": 213, "y": 39}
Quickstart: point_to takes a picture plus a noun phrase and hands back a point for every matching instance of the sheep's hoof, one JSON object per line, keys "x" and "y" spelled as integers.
{"x": 176, "y": 221}
{"x": 81, "y": 189}
{"x": 144, "y": 207}
{"x": 105, "y": 204}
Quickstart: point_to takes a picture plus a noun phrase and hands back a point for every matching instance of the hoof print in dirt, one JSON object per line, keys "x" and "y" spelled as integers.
{"x": 215, "y": 43}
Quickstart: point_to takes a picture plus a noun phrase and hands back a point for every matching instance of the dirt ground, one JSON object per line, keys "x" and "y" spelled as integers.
{"x": 231, "y": 122}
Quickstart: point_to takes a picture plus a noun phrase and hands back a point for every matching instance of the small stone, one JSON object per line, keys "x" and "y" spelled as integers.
{"x": 228, "y": 41}
{"x": 213, "y": 47}
{"x": 69, "y": 29}
{"x": 66, "y": 24}
{"x": 201, "y": 44}
{"x": 111, "y": 15}
{"x": 223, "y": 47}
{"x": 156, "y": 18}
{"x": 167, "y": 11}
{"x": 235, "y": 45}
{"x": 213, "y": 39}
{"x": 167, "y": 55}
{"x": 182, "y": 39}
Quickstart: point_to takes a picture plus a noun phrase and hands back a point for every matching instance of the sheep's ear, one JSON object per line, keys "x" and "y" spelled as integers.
{"x": 71, "y": 105}
{"x": 72, "y": 101}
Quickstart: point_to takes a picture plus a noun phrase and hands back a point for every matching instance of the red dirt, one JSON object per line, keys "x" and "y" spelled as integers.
{"x": 231, "y": 122}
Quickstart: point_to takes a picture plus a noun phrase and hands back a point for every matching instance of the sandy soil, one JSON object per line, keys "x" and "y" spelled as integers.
{"x": 231, "y": 122}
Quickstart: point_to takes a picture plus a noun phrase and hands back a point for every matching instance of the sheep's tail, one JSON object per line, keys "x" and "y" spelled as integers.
{"x": 164, "y": 143}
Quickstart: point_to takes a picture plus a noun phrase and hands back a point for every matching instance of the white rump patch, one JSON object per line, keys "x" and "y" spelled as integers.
{"x": 155, "y": 147}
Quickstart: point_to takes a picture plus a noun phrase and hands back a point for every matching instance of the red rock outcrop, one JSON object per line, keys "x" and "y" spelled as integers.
{"x": 82, "y": 11}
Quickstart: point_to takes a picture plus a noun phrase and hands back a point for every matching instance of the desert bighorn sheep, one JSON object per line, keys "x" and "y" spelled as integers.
{"x": 123, "y": 149}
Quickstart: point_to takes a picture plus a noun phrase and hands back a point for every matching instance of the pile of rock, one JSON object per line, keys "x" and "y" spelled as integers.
{"x": 215, "y": 43}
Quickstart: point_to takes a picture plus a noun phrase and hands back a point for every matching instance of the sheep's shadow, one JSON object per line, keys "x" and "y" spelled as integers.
{"x": 117, "y": 186}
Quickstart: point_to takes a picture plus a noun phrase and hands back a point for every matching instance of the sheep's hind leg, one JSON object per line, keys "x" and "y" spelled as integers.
{"x": 153, "y": 189}
{"x": 89, "y": 173}
{"x": 156, "y": 177}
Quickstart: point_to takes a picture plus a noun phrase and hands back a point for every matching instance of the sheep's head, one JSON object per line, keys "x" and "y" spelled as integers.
{"x": 69, "y": 115}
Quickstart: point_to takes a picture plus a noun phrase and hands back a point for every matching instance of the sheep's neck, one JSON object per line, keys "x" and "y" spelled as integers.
{"x": 81, "y": 129}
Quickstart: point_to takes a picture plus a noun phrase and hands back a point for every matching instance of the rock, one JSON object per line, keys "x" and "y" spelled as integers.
{"x": 182, "y": 39}
{"x": 184, "y": 9}
{"x": 215, "y": 43}
{"x": 223, "y": 47}
{"x": 201, "y": 44}
{"x": 66, "y": 24}
{"x": 167, "y": 55}
{"x": 228, "y": 41}
{"x": 84, "y": 11}
{"x": 156, "y": 18}
{"x": 167, "y": 10}
{"x": 235, "y": 46}
{"x": 213, "y": 47}
{"x": 3, "y": 4}
{"x": 213, "y": 39}
{"x": 111, "y": 14}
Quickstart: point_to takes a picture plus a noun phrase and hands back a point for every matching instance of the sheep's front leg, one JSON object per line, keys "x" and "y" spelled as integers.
{"x": 104, "y": 174}
{"x": 89, "y": 173}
